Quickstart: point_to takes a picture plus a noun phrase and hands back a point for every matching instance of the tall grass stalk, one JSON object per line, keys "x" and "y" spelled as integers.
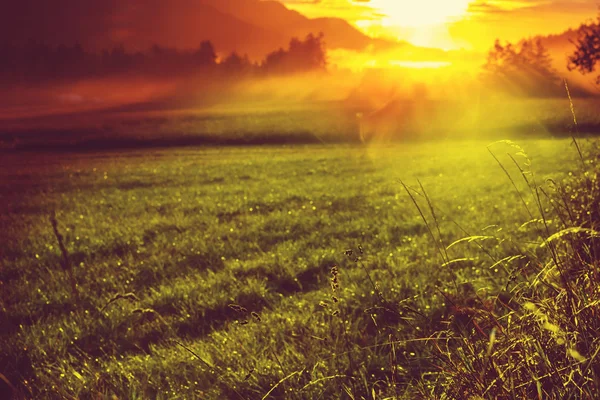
{"x": 66, "y": 261}
{"x": 540, "y": 338}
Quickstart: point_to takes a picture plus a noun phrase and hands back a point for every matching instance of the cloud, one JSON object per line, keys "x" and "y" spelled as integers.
{"x": 513, "y": 20}
{"x": 350, "y": 10}
{"x": 101, "y": 24}
{"x": 519, "y": 7}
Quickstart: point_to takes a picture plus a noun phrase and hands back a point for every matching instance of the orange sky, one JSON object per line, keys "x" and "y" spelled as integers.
{"x": 452, "y": 24}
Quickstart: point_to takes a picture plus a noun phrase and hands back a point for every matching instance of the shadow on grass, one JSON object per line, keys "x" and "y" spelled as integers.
{"x": 76, "y": 141}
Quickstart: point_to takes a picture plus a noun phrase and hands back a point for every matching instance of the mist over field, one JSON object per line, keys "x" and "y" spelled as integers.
{"x": 313, "y": 86}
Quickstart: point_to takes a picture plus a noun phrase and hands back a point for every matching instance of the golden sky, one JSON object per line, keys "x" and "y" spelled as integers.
{"x": 452, "y": 24}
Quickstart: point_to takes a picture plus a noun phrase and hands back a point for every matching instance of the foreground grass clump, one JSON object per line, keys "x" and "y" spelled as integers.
{"x": 282, "y": 272}
{"x": 538, "y": 337}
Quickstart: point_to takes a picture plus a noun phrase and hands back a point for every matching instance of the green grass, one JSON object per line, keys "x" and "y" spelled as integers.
{"x": 185, "y": 236}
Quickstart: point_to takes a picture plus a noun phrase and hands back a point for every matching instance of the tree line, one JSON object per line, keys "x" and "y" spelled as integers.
{"x": 526, "y": 67}
{"x": 38, "y": 62}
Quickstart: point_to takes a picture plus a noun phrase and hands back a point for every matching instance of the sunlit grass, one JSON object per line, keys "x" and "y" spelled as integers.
{"x": 429, "y": 114}
{"x": 206, "y": 273}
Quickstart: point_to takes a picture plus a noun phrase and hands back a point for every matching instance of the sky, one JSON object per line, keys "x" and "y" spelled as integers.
{"x": 446, "y": 24}
{"x": 249, "y": 27}
{"x": 454, "y": 24}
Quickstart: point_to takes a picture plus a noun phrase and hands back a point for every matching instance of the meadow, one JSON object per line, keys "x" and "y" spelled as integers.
{"x": 475, "y": 115}
{"x": 296, "y": 272}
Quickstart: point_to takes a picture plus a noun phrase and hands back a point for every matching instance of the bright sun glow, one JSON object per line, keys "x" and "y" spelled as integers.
{"x": 419, "y": 13}
{"x": 420, "y": 64}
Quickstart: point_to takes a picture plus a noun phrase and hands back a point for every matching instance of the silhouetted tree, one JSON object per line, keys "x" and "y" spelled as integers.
{"x": 301, "y": 56}
{"x": 206, "y": 54}
{"x": 309, "y": 53}
{"x": 276, "y": 61}
{"x": 115, "y": 61}
{"x": 38, "y": 62}
{"x": 587, "y": 49}
{"x": 524, "y": 68}
{"x": 234, "y": 64}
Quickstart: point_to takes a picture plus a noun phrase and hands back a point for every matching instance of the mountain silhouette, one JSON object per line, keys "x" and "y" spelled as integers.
{"x": 276, "y": 17}
{"x": 246, "y": 26}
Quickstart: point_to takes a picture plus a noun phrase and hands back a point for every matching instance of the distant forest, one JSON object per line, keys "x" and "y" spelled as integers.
{"x": 39, "y": 63}
{"x": 524, "y": 68}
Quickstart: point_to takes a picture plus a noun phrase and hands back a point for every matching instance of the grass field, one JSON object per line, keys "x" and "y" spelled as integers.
{"x": 475, "y": 117}
{"x": 207, "y": 272}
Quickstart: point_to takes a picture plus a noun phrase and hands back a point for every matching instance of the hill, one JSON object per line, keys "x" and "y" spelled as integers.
{"x": 276, "y": 17}
{"x": 246, "y": 26}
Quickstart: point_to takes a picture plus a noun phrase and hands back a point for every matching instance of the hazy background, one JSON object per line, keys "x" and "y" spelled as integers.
{"x": 237, "y": 71}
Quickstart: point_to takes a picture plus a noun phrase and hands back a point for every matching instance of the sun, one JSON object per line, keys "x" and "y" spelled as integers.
{"x": 419, "y": 13}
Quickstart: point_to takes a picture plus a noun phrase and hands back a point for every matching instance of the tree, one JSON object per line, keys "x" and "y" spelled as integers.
{"x": 310, "y": 53}
{"x": 522, "y": 68}
{"x": 206, "y": 54}
{"x": 587, "y": 49}
{"x": 234, "y": 64}
{"x": 302, "y": 56}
